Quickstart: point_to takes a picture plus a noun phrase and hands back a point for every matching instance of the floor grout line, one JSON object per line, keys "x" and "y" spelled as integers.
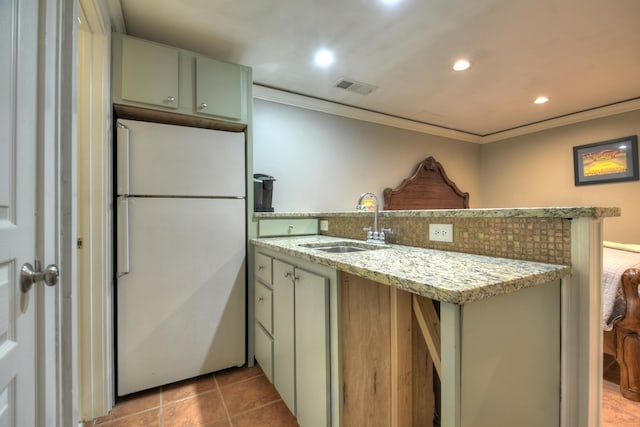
{"x": 161, "y": 421}
{"x": 264, "y": 405}
{"x": 224, "y": 403}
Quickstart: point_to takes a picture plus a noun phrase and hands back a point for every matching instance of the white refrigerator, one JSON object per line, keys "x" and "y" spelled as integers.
{"x": 180, "y": 253}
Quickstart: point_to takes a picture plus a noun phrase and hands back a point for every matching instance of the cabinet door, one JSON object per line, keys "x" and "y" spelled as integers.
{"x": 283, "y": 333}
{"x": 149, "y": 73}
{"x": 220, "y": 89}
{"x": 312, "y": 349}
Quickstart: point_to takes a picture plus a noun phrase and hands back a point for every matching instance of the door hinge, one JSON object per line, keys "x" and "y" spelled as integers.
{"x": 79, "y": 243}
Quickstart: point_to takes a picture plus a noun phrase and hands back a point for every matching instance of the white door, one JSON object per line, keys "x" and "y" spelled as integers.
{"x": 18, "y": 113}
{"x": 23, "y": 225}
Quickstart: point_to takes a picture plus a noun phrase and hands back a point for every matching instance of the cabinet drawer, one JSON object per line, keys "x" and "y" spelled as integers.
{"x": 264, "y": 351}
{"x": 287, "y": 227}
{"x": 263, "y": 267}
{"x": 264, "y": 306}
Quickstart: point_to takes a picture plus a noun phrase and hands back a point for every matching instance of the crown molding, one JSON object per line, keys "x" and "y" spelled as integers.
{"x": 569, "y": 119}
{"x": 315, "y": 104}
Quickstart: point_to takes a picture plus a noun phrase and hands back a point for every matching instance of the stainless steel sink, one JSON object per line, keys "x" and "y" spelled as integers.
{"x": 343, "y": 247}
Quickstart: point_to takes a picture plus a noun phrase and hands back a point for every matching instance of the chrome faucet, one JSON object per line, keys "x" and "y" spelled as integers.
{"x": 373, "y": 234}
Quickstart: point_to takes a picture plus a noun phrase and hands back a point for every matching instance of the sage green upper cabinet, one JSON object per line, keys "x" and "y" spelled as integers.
{"x": 221, "y": 89}
{"x": 151, "y": 79}
{"x": 150, "y": 73}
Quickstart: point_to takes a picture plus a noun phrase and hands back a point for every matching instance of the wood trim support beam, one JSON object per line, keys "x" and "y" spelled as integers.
{"x": 401, "y": 355}
{"x": 430, "y": 326}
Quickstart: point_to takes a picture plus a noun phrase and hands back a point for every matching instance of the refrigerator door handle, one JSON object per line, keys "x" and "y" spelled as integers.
{"x": 123, "y": 260}
{"x": 122, "y": 141}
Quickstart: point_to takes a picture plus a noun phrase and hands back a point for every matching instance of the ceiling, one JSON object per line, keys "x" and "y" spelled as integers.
{"x": 582, "y": 54}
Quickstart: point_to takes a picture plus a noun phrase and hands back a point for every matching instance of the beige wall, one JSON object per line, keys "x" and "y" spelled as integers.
{"x": 537, "y": 170}
{"x": 324, "y": 162}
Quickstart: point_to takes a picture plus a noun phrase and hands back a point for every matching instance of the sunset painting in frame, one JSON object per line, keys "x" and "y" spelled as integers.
{"x": 608, "y": 161}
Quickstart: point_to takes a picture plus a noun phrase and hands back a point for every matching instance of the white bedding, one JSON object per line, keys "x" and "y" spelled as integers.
{"x": 616, "y": 258}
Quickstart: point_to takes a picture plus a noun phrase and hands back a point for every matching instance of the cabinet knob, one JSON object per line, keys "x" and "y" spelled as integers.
{"x": 260, "y": 267}
{"x": 202, "y": 106}
{"x": 171, "y": 98}
{"x": 290, "y": 274}
{"x": 260, "y": 299}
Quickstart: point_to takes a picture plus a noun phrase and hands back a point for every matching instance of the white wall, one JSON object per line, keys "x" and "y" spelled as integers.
{"x": 537, "y": 170}
{"x": 323, "y": 162}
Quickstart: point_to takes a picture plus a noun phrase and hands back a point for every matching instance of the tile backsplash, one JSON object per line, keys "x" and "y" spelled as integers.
{"x": 532, "y": 239}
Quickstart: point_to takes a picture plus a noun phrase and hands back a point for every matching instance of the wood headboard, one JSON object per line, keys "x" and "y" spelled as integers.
{"x": 427, "y": 188}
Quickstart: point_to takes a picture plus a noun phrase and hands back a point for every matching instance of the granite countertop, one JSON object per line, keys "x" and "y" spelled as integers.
{"x": 452, "y": 277}
{"x": 540, "y": 212}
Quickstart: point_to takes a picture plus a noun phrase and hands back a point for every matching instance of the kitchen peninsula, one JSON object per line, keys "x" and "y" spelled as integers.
{"x": 518, "y": 293}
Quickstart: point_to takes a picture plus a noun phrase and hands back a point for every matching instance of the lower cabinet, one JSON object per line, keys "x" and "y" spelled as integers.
{"x": 299, "y": 348}
{"x": 500, "y": 359}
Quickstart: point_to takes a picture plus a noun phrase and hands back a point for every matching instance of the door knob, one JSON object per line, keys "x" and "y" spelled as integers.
{"x": 30, "y": 275}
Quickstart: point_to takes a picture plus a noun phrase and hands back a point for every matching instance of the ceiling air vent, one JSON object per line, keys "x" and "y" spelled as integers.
{"x": 354, "y": 86}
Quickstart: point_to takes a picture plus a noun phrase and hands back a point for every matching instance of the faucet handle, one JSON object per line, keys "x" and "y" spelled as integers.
{"x": 369, "y": 232}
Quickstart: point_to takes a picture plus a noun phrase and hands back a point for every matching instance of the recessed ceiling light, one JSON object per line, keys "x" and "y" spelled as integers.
{"x": 541, "y": 100}
{"x": 323, "y": 58}
{"x": 389, "y": 2}
{"x": 461, "y": 65}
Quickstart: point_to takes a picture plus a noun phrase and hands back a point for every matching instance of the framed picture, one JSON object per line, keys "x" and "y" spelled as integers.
{"x": 607, "y": 161}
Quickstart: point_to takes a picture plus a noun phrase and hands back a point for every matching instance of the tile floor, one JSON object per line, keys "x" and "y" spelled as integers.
{"x": 232, "y": 398}
{"x": 244, "y": 397}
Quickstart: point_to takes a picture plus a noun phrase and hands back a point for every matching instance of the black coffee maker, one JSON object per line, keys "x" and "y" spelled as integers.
{"x": 262, "y": 192}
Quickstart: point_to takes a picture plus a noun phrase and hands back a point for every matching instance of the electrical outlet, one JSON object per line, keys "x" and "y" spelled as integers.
{"x": 324, "y": 225}
{"x": 441, "y": 232}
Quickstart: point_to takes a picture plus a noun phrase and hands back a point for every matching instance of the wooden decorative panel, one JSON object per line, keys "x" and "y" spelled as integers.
{"x": 427, "y": 188}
